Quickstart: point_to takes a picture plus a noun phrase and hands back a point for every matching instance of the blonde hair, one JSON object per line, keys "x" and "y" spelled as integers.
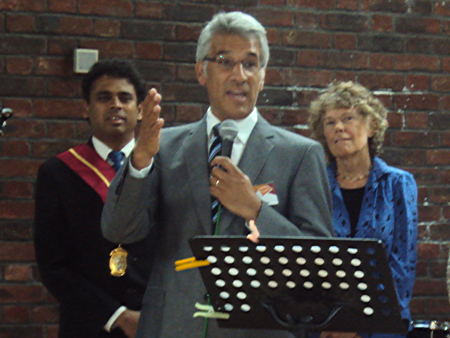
{"x": 349, "y": 94}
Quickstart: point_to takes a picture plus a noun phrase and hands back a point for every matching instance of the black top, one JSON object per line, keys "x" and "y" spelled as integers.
{"x": 353, "y": 200}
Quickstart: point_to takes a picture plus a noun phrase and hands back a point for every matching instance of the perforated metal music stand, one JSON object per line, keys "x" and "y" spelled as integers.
{"x": 300, "y": 284}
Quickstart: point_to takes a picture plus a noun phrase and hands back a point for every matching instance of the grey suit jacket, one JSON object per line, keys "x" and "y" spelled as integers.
{"x": 173, "y": 203}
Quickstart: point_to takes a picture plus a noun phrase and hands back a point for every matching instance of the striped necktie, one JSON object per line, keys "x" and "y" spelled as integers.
{"x": 214, "y": 150}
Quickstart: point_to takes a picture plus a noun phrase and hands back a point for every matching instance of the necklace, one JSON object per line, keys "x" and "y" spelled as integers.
{"x": 353, "y": 178}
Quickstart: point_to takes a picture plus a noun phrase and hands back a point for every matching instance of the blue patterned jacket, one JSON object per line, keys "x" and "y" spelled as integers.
{"x": 389, "y": 213}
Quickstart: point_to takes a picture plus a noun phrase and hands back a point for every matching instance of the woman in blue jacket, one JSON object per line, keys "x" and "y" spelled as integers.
{"x": 370, "y": 198}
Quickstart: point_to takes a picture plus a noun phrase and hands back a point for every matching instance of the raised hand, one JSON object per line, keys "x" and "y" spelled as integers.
{"x": 147, "y": 144}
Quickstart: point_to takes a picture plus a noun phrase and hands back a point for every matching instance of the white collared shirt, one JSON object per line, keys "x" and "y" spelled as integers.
{"x": 103, "y": 150}
{"x": 245, "y": 128}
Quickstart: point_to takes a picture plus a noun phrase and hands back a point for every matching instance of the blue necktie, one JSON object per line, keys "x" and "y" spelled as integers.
{"x": 116, "y": 158}
{"x": 214, "y": 150}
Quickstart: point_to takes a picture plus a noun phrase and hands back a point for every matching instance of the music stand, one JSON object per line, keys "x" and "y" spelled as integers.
{"x": 300, "y": 284}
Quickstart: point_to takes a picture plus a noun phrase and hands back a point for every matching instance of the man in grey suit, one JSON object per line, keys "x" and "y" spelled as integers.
{"x": 166, "y": 187}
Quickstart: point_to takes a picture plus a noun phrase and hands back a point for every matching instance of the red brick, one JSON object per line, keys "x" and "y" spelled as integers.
{"x": 306, "y": 39}
{"x": 441, "y": 83}
{"x": 382, "y": 23}
{"x": 373, "y": 81}
{"x": 66, "y": 87}
{"x": 439, "y": 195}
{"x": 417, "y": 101}
{"x": 54, "y": 66}
{"x": 440, "y": 232}
{"x": 381, "y": 61}
{"x": 20, "y": 294}
{"x": 306, "y": 20}
{"x": 67, "y": 6}
{"x": 345, "y": 41}
{"x": 26, "y": 128}
{"x": 428, "y": 251}
{"x": 21, "y": 107}
{"x": 106, "y": 7}
{"x": 416, "y": 62}
{"x": 110, "y": 49}
{"x": 418, "y": 82}
{"x": 20, "y": 23}
{"x": 429, "y": 213}
{"x": 107, "y": 28}
{"x": 273, "y": 2}
{"x": 17, "y": 189}
{"x": 149, "y": 50}
{"x": 45, "y": 149}
{"x": 72, "y": 25}
{"x": 429, "y": 287}
{"x": 17, "y": 251}
{"x": 61, "y": 46}
{"x": 438, "y": 156}
{"x": 65, "y": 108}
{"x": 313, "y": 78}
{"x": 275, "y": 17}
{"x": 440, "y": 306}
{"x": 348, "y": 4}
{"x": 149, "y": 10}
{"x": 421, "y": 269}
{"x": 447, "y": 212}
{"x": 188, "y": 113}
{"x": 16, "y": 314}
{"x": 395, "y": 119}
{"x": 61, "y": 130}
{"x": 417, "y": 120}
{"x": 442, "y": 8}
{"x": 19, "y": 65}
{"x": 444, "y": 102}
{"x": 16, "y": 209}
{"x": 187, "y": 32}
{"x": 417, "y": 305}
{"x": 15, "y": 148}
{"x": 318, "y": 4}
{"x": 18, "y": 273}
{"x": 23, "y": 5}
{"x": 186, "y": 73}
{"x": 426, "y": 176}
{"x": 17, "y": 168}
{"x": 438, "y": 269}
{"x": 418, "y": 25}
{"x": 415, "y": 139}
{"x": 45, "y": 314}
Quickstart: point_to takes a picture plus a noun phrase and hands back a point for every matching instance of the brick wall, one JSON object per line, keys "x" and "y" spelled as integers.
{"x": 399, "y": 49}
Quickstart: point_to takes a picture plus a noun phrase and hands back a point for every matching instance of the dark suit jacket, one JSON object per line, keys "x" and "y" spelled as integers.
{"x": 73, "y": 256}
{"x": 175, "y": 200}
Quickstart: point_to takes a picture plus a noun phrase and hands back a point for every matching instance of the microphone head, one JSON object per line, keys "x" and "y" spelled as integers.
{"x": 228, "y": 130}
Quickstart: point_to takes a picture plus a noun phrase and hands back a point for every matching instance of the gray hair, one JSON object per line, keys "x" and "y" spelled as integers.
{"x": 238, "y": 23}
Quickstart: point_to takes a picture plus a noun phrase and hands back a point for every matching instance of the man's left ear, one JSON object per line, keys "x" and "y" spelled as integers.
{"x": 139, "y": 116}
{"x": 200, "y": 72}
{"x": 261, "y": 81}
{"x": 85, "y": 114}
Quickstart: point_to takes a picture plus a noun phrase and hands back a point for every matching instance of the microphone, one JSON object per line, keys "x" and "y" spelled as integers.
{"x": 228, "y": 132}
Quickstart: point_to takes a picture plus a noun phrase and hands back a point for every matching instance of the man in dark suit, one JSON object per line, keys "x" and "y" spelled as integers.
{"x": 71, "y": 253}
{"x": 167, "y": 188}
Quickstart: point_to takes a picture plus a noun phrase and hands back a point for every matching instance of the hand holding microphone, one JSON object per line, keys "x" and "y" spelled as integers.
{"x": 228, "y": 183}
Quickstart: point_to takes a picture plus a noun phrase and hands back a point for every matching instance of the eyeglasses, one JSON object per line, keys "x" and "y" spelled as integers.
{"x": 228, "y": 64}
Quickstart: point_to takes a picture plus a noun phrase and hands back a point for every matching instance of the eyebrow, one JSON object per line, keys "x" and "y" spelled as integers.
{"x": 222, "y": 52}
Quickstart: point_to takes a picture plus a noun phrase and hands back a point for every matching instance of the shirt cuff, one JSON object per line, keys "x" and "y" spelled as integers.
{"x": 110, "y": 323}
{"x": 140, "y": 173}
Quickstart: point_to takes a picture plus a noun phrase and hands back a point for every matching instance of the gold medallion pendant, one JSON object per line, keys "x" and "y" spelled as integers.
{"x": 118, "y": 261}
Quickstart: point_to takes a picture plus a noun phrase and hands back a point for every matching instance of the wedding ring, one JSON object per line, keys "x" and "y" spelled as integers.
{"x": 217, "y": 182}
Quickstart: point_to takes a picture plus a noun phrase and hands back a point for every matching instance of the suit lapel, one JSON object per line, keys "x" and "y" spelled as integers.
{"x": 253, "y": 160}
{"x": 195, "y": 156}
